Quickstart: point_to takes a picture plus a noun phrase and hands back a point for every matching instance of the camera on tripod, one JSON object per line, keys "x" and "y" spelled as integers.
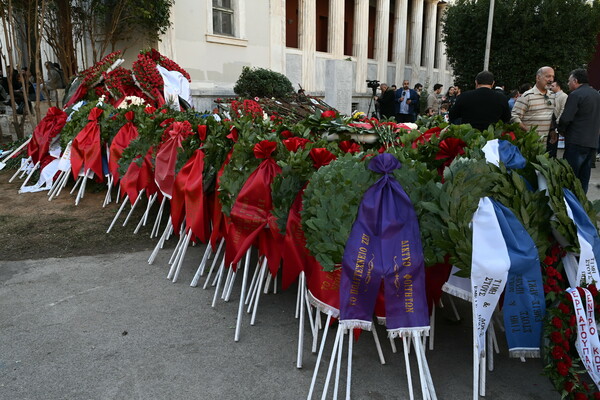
{"x": 374, "y": 84}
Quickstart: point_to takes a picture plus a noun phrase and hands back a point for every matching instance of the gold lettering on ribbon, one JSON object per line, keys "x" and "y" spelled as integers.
{"x": 407, "y": 284}
{"x": 359, "y": 269}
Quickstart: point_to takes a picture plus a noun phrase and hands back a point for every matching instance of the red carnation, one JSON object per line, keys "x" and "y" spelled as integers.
{"x": 565, "y": 345}
{"x": 572, "y": 320}
{"x": 556, "y": 322}
{"x": 548, "y": 261}
{"x": 328, "y": 114}
{"x": 547, "y": 289}
{"x": 551, "y": 281}
{"x": 580, "y": 396}
{"x": 597, "y": 395}
{"x": 562, "y": 368}
{"x": 569, "y": 386}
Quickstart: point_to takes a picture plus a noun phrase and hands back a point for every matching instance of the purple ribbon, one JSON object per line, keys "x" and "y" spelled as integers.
{"x": 384, "y": 245}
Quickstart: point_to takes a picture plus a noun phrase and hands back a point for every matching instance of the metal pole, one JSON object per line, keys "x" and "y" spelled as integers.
{"x": 488, "y": 40}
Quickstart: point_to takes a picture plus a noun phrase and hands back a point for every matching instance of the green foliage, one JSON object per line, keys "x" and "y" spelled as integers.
{"x": 260, "y": 82}
{"x": 526, "y": 35}
{"x": 330, "y": 205}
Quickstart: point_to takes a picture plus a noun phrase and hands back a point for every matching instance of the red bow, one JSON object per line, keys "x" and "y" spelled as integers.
{"x": 449, "y": 149}
{"x": 264, "y": 149}
{"x": 348, "y": 146}
{"x": 294, "y": 143}
{"x": 321, "y": 157}
{"x": 426, "y": 137}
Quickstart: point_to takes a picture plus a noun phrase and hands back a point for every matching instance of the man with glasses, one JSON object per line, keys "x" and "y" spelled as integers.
{"x": 536, "y": 106}
{"x": 580, "y": 125}
{"x": 407, "y": 103}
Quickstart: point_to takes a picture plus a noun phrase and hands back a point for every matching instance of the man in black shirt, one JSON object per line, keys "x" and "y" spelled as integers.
{"x": 482, "y": 106}
{"x": 386, "y": 102}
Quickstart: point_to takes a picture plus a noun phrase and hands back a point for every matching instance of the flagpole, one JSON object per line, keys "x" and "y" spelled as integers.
{"x": 488, "y": 40}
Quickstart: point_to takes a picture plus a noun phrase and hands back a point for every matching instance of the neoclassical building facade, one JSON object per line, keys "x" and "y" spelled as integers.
{"x": 329, "y": 47}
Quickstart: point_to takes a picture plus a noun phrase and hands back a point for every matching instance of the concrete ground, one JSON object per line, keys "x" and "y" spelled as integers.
{"x": 112, "y": 327}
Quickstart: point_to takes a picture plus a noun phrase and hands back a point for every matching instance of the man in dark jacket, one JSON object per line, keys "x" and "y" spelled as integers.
{"x": 407, "y": 103}
{"x": 386, "y": 102}
{"x": 580, "y": 125}
{"x": 482, "y": 106}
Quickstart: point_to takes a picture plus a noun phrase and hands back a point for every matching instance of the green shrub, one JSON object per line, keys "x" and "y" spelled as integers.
{"x": 260, "y": 82}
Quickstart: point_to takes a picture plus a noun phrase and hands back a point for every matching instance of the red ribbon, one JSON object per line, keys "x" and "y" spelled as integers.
{"x": 78, "y": 95}
{"x": 124, "y": 136}
{"x": 449, "y": 149}
{"x": 139, "y": 177}
{"x": 166, "y": 158}
{"x": 85, "y": 150}
{"x": 197, "y": 209}
{"x": 48, "y": 128}
{"x": 264, "y": 149}
{"x": 252, "y": 212}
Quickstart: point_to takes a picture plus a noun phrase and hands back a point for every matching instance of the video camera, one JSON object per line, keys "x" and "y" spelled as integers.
{"x": 373, "y": 84}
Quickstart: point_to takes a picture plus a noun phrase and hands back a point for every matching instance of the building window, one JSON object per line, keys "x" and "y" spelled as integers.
{"x": 222, "y": 17}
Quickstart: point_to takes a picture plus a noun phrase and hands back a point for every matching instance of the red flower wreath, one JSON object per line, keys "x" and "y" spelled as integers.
{"x": 165, "y": 62}
{"x": 91, "y": 76}
{"x": 562, "y": 361}
{"x": 146, "y": 75}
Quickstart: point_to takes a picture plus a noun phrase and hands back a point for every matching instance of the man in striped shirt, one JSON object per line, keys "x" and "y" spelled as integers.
{"x": 536, "y": 106}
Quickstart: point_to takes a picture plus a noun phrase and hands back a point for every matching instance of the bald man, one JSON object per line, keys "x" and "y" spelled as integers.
{"x": 536, "y": 106}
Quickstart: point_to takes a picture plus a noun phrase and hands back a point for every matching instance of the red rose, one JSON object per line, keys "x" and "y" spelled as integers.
{"x": 569, "y": 386}
{"x": 556, "y": 337}
{"x": 551, "y": 281}
{"x": 557, "y": 352}
{"x": 547, "y": 289}
{"x": 556, "y": 322}
{"x": 562, "y": 368}
{"x": 572, "y": 320}
{"x": 328, "y": 114}
{"x": 563, "y": 308}
{"x": 568, "y": 333}
{"x": 548, "y": 261}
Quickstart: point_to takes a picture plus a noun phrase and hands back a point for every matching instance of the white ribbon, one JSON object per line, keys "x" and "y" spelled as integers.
{"x": 588, "y": 343}
{"x": 489, "y": 267}
{"x": 587, "y": 271}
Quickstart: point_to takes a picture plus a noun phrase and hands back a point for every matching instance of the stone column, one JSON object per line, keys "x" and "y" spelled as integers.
{"x": 416, "y": 22}
{"x": 277, "y": 35}
{"x": 360, "y": 43}
{"x": 335, "y": 30}
{"x": 430, "y": 39}
{"x": 308, "y": 17}
{"x": 400, "y": 31}
{"x": 443, "y": 59}
{"x": 382, "y": 27}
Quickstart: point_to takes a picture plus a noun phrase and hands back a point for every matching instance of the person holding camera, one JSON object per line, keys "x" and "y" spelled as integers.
{"x": 407, "y": 103}
{"x": 386, "y": 102}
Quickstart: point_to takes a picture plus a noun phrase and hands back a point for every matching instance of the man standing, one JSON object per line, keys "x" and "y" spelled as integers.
{"x": 433, "y": 100}
{"x": 536, "y": 106}
{"x": 407, "y": 103}
{"x": 560, "y": 98}
{"x": 386, "y": 102}
{"x": 482, "y": 106}
{"x": 580, "y": 125}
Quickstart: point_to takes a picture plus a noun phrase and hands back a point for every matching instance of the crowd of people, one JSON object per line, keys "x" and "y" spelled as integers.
{"x": 24, "y": 85}
{"x": 544, "y": 106}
